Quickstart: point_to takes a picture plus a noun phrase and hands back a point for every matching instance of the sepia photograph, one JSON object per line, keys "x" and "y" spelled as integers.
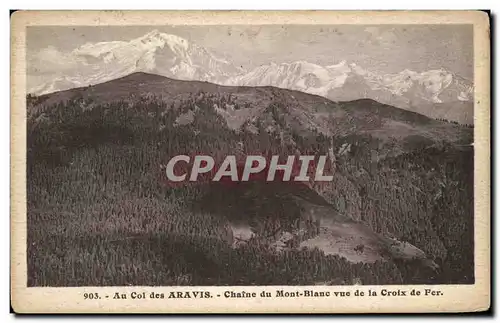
{"x": 278, "y": 154}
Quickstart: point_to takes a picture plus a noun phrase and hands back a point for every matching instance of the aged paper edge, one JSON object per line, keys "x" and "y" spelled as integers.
{"x": 457, "y": 298}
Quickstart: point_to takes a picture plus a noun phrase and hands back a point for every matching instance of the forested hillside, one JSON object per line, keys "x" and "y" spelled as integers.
{"x": 101, "y": 212}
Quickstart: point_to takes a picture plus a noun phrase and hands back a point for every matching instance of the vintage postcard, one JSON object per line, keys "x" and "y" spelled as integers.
{"x": 250, "y": 162}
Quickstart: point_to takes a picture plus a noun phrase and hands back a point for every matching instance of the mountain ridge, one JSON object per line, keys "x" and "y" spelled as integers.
{"x": 173, "y": 56}
{"x": 301, "y": 111}
{"x": 137, "y": 76}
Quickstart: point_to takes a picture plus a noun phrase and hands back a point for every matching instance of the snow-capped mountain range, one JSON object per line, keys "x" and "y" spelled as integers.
{"x": 428, "y": 92}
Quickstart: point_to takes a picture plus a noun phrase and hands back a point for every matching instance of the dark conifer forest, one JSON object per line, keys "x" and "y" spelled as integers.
{"x": 101, "y": 211}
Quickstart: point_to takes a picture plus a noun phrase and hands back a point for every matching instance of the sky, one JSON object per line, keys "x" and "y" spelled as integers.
{"x": 379, "y": 48}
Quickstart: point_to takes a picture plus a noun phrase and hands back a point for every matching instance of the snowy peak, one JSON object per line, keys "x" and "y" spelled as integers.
{"x": 157, "y": 38}
{"x": 118, "y": 49}
{"x": 434, "y": 86}
{"x": 299, "y": 75}
{"x": 427, "y": 85}
{"x": 155, "y": 52}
